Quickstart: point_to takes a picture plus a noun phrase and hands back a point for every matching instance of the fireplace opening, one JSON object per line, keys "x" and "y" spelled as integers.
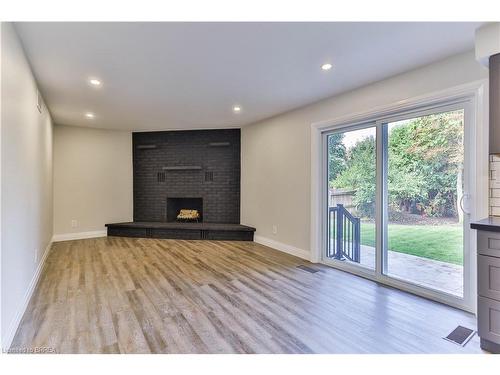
{"x": 192, "y": 209}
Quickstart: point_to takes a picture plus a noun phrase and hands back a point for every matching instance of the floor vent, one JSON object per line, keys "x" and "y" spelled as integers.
{"x": 460, "y": 335}
{"x": 308, "y": 269}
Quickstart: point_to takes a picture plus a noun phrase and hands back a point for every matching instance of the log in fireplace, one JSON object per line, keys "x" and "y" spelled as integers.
{"x": 175, "y": 205}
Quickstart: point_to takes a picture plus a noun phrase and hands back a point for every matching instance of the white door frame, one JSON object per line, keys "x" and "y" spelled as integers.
{"x": 476, "y": 93}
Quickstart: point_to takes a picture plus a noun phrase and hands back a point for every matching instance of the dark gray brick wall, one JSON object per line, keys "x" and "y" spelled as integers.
{"x": 221, "y": 197}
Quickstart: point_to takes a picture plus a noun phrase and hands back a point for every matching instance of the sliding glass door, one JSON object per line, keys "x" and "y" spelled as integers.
{"x": 396, "y": 200}
{"x": 351, "y": 196}
{"x": 425, "y": 188}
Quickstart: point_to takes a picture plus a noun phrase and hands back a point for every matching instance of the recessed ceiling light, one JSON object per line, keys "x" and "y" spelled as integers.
{"x": 95, "y": 82}
{"x": 236, "y": 109}
{"x": 89, "y": 115}
{"x": 326, "y": 66}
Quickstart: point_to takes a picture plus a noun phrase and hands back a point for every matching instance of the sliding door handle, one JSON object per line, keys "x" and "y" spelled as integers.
{"x": 464, "y": 196}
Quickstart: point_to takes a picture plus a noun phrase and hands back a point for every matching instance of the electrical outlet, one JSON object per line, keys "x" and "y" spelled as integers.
{"x": 74, "y": 223}
{"x": 36, "y": 256}
{"x": 275, "y": 229}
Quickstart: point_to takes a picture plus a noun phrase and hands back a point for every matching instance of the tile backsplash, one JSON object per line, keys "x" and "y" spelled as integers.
{"x": 494, "y": 198}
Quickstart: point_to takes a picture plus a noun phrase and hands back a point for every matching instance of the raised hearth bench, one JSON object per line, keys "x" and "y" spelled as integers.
{"x": 185, "y": 231}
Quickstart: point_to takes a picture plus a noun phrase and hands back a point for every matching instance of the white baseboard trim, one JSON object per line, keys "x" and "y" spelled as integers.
{"x": 289, "y": 249}
{"x": 14, "y": 325}
{"x": 79, "y": 235}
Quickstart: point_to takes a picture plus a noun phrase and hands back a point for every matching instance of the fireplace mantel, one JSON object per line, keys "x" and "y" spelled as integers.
{"x": 182, "y": 168}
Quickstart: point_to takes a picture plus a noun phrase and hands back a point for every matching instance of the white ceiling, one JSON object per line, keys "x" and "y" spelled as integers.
{"x": 189, "y": 75}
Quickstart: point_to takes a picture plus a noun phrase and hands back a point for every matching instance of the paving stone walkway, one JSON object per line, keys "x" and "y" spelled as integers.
{"x": 445, "y": 277}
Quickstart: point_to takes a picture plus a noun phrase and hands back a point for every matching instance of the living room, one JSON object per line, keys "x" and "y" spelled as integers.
{"x": 250, "y": 187}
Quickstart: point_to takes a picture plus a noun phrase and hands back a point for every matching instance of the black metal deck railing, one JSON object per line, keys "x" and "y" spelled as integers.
{"x": 344, "y": 234}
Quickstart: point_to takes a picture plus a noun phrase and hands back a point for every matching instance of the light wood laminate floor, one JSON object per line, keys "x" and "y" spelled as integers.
{"x": 125, "y": 295}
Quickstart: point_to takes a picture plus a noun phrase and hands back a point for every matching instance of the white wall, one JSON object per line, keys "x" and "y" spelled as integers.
{"x": 26, "y": 186}
{"x": 276, "y": 173}
{"x": 92, "y": 179}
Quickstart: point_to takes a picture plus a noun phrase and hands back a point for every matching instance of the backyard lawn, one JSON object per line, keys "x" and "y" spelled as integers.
{"x": 438, "y": 242}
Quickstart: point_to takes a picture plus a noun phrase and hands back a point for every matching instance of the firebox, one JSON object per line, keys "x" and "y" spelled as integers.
{"x": 175, "y": 205}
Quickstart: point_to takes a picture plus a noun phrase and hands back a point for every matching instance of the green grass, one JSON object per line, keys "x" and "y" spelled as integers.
{"x": 438, "y": 242}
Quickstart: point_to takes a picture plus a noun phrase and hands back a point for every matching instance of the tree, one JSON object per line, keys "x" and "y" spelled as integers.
{"x": 406, "y": 182}
{"x": 336, "y": 156}
{"x": 429, "y": 151}
{"x": 359, "y": 174}
{"x": 425, "y": 166}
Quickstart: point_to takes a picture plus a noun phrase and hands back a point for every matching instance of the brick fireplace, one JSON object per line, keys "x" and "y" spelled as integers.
{"x": 174, "y": 164}
{"x": 193, "y": 170}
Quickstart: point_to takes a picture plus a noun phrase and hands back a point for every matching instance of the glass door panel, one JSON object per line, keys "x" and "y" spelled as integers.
{"x": 425, "y": 186}
{"x": 351, "y": 196}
